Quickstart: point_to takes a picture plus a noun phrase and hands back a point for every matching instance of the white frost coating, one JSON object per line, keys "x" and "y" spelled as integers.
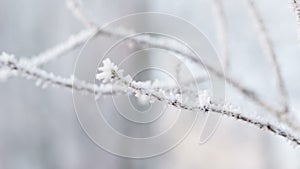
{"x": 144, "y": 99}
{"x": 108, "y": 71}
{"x": 6, "y": 57}
{"x": 24, "y": 68}
{"x": 173, "y": 47}
{"x": 124, "y": 85}
{"x": 231, "y": 107}
{"x": 44, "y": 79}
{"x": 163, "y": 42}
{"x": 76, "y": 8}
{"x": 204, "y": 99}
{"x": 55, "y": 52}
{"x": 205, "y": 105}
{"x": 5, "y": 73}
{"x": 62, "y": 48}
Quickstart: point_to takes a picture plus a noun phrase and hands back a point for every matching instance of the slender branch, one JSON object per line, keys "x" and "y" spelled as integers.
{"x": 185, "y": 53}
{"x": 73, "y": 42}
{"x": 75, "y": 7}
{"x": 44, "y": 79}
{"x": 267, "y": 46}
{"x": 62, "y": 48}
{"x": 296, "y": 8}
{"x": 222, "y": 32}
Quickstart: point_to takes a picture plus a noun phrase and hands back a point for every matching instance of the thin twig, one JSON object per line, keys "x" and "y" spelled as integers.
{"x": 222, "y": 32}
{"x": 43, "y": 79}
{"x": 76, "y": 8}
{"x": 296, "y": 8}
{"x": 73, "y": 41}
{"x": 62, "y": 48}
{"x": 267, "y": 46}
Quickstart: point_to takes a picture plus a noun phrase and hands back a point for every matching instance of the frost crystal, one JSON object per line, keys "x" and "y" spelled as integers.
{"x": 144, "y": 99}
{"x": 5, "y": 73}
{"x": 204, "y": 99}
{"x": 231, "y": 107}
{"x": 108, "y": 71}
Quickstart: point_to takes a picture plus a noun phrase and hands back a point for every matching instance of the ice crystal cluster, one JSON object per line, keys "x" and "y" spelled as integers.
{"x": 146, "y": 91}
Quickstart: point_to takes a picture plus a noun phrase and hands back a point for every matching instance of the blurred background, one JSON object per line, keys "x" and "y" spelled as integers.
{"x": 39, "y": 128}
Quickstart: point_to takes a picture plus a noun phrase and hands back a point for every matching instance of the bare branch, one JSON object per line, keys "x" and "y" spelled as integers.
{"x": 62, "y": 48}
{"x": 296, "y": 8}
{"x": 267, "y": 46}
{"x": 222, "y": 32}
{"x": 75, "y": 7}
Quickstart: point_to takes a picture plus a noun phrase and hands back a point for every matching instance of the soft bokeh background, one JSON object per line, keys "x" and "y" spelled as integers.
{"x": 39, "y": 128}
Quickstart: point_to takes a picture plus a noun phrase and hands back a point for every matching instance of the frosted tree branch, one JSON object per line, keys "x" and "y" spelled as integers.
{"x": 184, "y": 53}
{"x": 43, "y": 79}
{"x": 119, "y": 84}
{"x": 110, "y": 72}
{"x": 150, "y": 41}
{"x": 55, "y": 52}
{"x": 267, "y": 46}
{"x": 143, "y": 39}
{"x": 62, "y": 48}
{"x": 73, "y": 42}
